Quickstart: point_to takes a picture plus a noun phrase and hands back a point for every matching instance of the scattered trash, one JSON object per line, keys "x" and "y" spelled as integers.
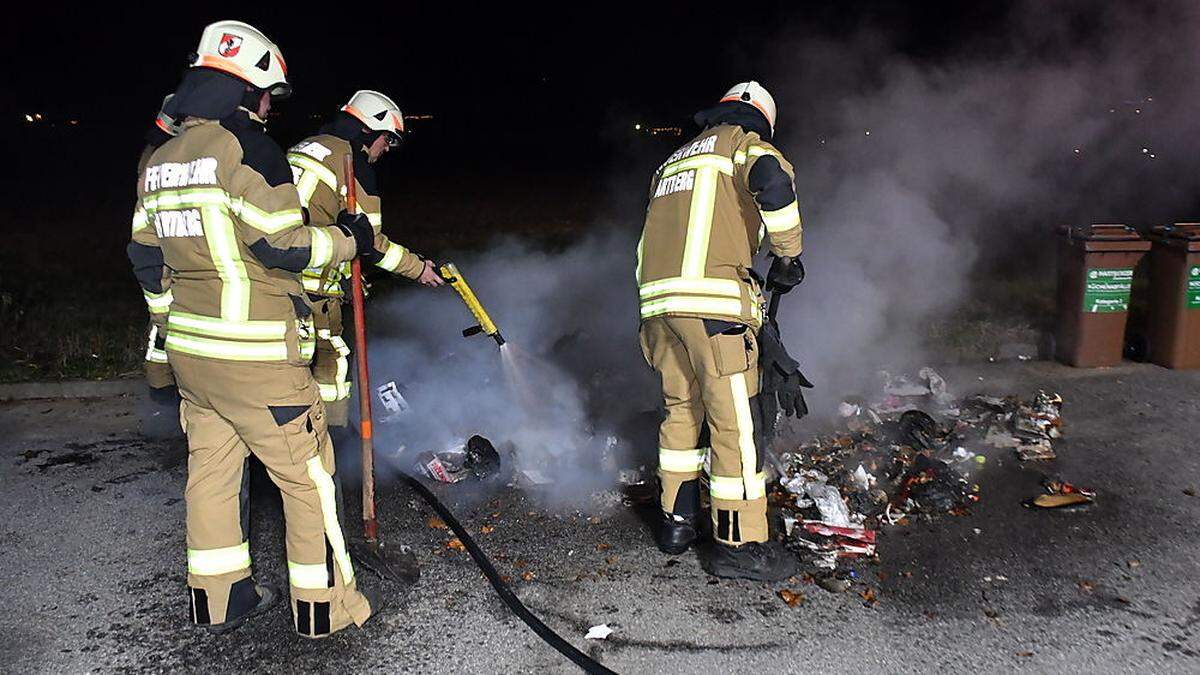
{"x": 903, "y": 454}
{"x": 791, "y": 598}
{"x": 393, "y": 401}
{"x": 1060, "y": 494}
{"x": 600, "y": 632}
{"x": 477, "y": 459}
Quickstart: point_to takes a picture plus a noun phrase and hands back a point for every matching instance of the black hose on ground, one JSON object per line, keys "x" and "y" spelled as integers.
{"x": 587, "y": 663}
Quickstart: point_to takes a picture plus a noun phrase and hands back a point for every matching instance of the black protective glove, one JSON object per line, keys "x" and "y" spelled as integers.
{"x": 785, "y": 274}
{"x": 357, "y": 226}
{"x": 781, "y": 376}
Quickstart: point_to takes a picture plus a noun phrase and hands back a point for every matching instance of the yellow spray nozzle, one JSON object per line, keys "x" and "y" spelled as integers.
{"x": 450, "y": 273}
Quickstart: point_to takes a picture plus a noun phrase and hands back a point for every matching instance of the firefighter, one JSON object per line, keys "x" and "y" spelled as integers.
{"x": 217, "y": 208}
{"x": 711, "y": 203}
{"x": 367, "y": 127}
{"x": 158, "y": 372}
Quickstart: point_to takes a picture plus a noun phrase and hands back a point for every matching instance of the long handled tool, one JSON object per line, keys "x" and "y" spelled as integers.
{"x": 395, "y": 565}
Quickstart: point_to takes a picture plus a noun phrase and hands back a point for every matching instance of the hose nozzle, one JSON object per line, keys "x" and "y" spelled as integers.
{"x": 450, "y": 273}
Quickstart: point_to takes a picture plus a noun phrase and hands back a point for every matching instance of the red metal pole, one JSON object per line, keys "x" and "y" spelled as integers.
{"x": 370, "y": 526}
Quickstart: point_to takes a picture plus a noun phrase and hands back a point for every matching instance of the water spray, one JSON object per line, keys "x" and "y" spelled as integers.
{"x": 485, "y": 325}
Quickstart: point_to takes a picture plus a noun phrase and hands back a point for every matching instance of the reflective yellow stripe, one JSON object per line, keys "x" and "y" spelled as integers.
{"x": 227, "y": 258}
{"x": 188, "y": 198}
{"x": 227, "y": 349}
{"x": 725, "y": 287}
{"x": 321, "y": 247}
{"x": 306, "y": 185}
{"x": 139, "y": 219}
{"x": 683, "y": 304}
{"x": 159, "y": 303}
{"x": 391, "y": 259}
{"x": 375, "y": 218}
{"x": 717, "y": 162}
{"x": 312, "y": 284}
{"x": 740, "y": 156}
{"x": 153, "y": 353}
{"x": 333, "y": 532}
{"x": 681, "y": 461}
{"x": 640, "y": 254}
{"x": 267, "y": 222}
{"x": 322, "y": 172}
{"x": 213, "y": 561}
{"x": 783, "y": 219}
{"x": 724, "y": 487}
{"x": 695, "y": 249}
{"x": 308, "y": 576}
{"x": 343, "y": 366}
{"x": 755, "y": 488}
{"x": 214, "y": 327}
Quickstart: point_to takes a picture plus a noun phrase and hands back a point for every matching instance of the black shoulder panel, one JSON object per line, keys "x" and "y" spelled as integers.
{"x": 147, "y": 265}
{"x": 770, "y": 184}
{"x": 365, "y": 173}
{"x": 293, "y": 259}
{"x": 261, "y": 153}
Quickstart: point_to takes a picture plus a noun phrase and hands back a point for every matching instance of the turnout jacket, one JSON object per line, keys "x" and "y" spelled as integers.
{"x": 218, "y": 212}
{"x": 711, "y": 205}
{"x": 318, "y": 169}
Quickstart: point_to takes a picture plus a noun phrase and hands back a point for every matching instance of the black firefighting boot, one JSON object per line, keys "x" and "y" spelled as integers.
{"x": 247, "y": 599}
{"x": 677, "y": 529}
{"x": 759, "y": 561}
{"x": 675, "y": 533}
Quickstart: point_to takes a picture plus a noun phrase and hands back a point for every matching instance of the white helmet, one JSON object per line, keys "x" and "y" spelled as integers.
{"x": 244, "y": 52}
{"x": 376, "y": 111}
{"x": 168, "y": 124}
{"x": 756, "y": 95}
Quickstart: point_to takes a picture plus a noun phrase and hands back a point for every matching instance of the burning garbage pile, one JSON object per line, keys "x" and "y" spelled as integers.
{"x": 908, "y": 453}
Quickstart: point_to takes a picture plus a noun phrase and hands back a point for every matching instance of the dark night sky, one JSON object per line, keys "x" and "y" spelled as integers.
{"x": 491, "y": 77}
{"x": 517, "y": 95}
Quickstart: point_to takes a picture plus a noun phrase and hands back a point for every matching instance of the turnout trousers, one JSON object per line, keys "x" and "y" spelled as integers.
{"x": 709, "y": 372}
{"x": 274, "y": 410}
{"x": 331, "y": 362}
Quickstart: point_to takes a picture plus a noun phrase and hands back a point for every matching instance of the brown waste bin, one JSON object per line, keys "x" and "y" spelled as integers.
{"x": 1174, "y": 326}
{"x": 1095, "y": 276}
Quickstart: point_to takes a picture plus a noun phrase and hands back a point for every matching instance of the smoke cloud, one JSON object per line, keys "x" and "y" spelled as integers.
{"x": 914, "y": 174}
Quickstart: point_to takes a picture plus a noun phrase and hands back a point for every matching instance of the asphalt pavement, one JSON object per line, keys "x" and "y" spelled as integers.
{"x": 92, "y": 548}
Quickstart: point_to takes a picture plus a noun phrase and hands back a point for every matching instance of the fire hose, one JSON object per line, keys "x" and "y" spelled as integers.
{"x": 585, "y": 662}
{"x": 373, "y": 549}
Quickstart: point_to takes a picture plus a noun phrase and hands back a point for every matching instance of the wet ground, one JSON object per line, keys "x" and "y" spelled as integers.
{"x": 91, "y": 544}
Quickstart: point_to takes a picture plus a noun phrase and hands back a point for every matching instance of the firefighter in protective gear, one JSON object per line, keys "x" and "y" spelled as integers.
{"x": 712, "y": 203}
{"x": 366, "y": 127}
{"x": 218, "y": 209}
{"x": 158, "y": 372}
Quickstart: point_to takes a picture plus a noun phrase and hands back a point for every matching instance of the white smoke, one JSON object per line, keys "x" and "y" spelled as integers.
{"x": 970, "y": 159}
{"x": 914, "y": 173}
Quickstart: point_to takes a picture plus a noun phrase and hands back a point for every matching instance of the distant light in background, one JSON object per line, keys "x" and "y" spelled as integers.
{"x": 37, "y": 116}
{"x": 637, "y": 127}
{"x": 1077, "y": 151}
{"x": 28, "y": 117}
{"x": 868, "y": 132}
